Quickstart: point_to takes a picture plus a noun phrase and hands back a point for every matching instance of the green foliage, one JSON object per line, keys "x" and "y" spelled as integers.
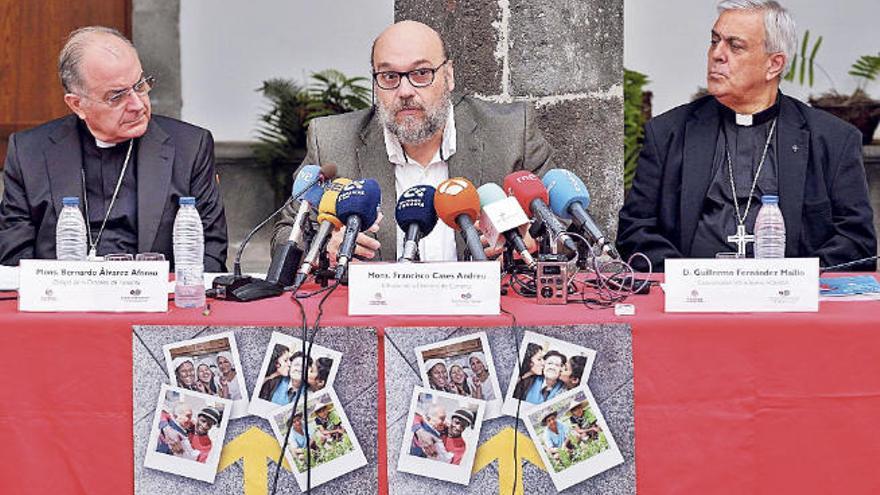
{"x": 333, "y": 93}
{"x": 866, "y": 68}
{"x": 803, "y": 65}
{"x": 633, "y": 122}
{"x": 281, "y": 131}
{"x": 322, "y": 451}
{"x": 575, "y": 451}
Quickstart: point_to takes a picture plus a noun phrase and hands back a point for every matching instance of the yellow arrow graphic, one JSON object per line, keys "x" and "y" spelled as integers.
{"x": 253, "y": 447}
{"x": 501, "y": 447}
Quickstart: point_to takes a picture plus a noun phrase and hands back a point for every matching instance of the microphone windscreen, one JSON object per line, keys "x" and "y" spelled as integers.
{"x": 565, "y": 188}
{"x": 416, "y": 206}
{"x": 308, "y": 177}
{"x": 525, "y": 187}
{"x": 327, "y": 206}
{"x": 360, "y": 198}
{"x": 490, "y": 193}
{"x": 454, "y": 197}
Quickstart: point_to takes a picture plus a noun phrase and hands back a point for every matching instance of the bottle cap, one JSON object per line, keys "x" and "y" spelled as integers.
{"x": 187, "y": 200}
{"x": 70, "y": 201}
{"x": 770, "y": 199}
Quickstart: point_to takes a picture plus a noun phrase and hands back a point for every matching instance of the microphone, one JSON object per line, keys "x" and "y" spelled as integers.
{"x": 569, "y": 200}
{"x": 357, "y": 206}
{"x": 240, "y": 288}
{"x": 527, "y": 188}
{"x": 458, "y": 205}
{"x": 502, "y": 215}
{"x": 416, "y": 217}
{"x": 327, "y": 224}
{"x": 287, "y": 255}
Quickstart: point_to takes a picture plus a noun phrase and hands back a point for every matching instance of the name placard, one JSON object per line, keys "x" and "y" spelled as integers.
{"x": 742, "y": 285}
{"x": 448, "y": 288}
{"x": 106, "y": 286}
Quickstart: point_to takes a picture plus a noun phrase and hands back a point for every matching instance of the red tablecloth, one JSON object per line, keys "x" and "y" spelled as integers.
{"x": 754, "y": 403}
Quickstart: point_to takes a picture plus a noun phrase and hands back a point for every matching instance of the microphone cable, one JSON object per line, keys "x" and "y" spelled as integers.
{"x": 289, "y": 423}
{"x": 307, "y": 343}
{"x": 514, "y": 327}
{"x": 847, "y": 264}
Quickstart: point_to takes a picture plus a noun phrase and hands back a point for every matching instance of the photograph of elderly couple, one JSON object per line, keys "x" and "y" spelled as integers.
{"x": 209, "y": 365}
{"x": 443, "y": 433}
{"x": 547, "y": 368}
{"x": 187, "y": 433}
{"x": 572, "y": 438}
{"x": 320, "y": 434}
{"x": 462, "y": 366}
{"x": 287, "y": 371}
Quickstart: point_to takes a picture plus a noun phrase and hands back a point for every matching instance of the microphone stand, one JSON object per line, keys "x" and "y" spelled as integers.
{"x": 242, "y": 288}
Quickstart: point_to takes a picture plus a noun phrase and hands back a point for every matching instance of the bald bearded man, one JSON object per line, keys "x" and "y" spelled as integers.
{"x": 419, "y": 133}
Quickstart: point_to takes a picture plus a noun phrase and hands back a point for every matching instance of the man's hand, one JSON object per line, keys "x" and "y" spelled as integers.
{"x": 366, "y": 246}
{"x": 498, "y": 250}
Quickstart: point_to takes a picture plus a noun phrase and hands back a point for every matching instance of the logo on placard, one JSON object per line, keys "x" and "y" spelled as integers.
{"x": 784, "y": 296}
{"x": 48, "y": 295}
{"x": 378, "y": 300}
{"x": 466, "y": 296}
{"x": 694, "y": 297}
{"x": 135, "y": 292}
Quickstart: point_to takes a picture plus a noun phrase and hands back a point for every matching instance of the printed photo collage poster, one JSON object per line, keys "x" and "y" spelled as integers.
{"x": 451, "y": 395}
{"x": 212, "y": 407}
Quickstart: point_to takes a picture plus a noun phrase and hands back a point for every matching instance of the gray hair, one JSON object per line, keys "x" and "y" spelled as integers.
{"x": 74, "y": 48}
{"x": 780, "y": 33}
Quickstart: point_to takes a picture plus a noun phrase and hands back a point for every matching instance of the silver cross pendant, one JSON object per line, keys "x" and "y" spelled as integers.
{"x": 741, "y": 239}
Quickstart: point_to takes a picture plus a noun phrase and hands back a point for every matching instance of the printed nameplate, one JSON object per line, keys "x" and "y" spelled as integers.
{"x": 110, "y": 286}
{"x": 449, "y": 288}
{"x": 742, "y": 285}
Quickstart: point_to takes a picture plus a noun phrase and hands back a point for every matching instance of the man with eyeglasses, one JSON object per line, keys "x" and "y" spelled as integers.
{"x": 418, "y": 133}
{"x": 128, "y": 166}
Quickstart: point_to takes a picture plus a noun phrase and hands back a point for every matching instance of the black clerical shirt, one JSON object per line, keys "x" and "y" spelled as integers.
{"x": 718, "y": 219}
{"x": 102, "y": 168}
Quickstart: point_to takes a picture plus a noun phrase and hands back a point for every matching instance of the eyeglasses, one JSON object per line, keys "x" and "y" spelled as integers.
{"x": 116, "y": 98}
{"x": 419, "y": 78}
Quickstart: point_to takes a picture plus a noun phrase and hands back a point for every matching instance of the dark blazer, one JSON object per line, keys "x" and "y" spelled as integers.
{"x": 823, "y": 193}
{"x": 43, "y": 165}
{"x": 492, "y": 140}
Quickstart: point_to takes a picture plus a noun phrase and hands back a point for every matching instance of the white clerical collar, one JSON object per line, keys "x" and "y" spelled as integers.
{"x": 397, "y": 156}
{"x": 744, "y": 119}
{"x": 103, "y": 144}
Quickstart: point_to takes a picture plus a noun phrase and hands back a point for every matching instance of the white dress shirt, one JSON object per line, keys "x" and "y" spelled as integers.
{"x": 439, "y": 245}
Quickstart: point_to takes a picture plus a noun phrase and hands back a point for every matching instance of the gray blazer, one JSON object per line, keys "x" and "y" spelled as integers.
{"x": 492, "y": 140}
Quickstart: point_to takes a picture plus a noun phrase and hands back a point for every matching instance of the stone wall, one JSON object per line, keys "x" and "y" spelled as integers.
{"x": 156, "y": 33}
{"x": 565, "y": 57}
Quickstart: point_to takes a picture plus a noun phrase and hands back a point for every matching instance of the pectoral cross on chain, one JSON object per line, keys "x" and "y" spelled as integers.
{"x": 741, "y": 239}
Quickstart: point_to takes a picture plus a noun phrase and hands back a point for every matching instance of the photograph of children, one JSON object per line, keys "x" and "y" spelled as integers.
{"x": 283, "y": 375}
{"x": 443, "y": 432}
{"x": 322, "y": 432}
{"x": 209, "y": 365}
{"x": 547, "y": 368}
{"x": 187, "y": 433}
{"x": 462, "y": 366}
{"x": 572, "y": 438}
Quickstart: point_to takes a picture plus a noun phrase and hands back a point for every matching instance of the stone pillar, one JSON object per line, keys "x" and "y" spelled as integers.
{"x": 565, "y": 57}
{"x": 156, "y": 33}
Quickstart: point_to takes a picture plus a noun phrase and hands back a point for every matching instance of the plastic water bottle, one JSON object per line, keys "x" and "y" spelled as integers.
{"x": 189, "y": 255}
{"x": 770, "y": 229}
{"x": 70, "y": 232}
